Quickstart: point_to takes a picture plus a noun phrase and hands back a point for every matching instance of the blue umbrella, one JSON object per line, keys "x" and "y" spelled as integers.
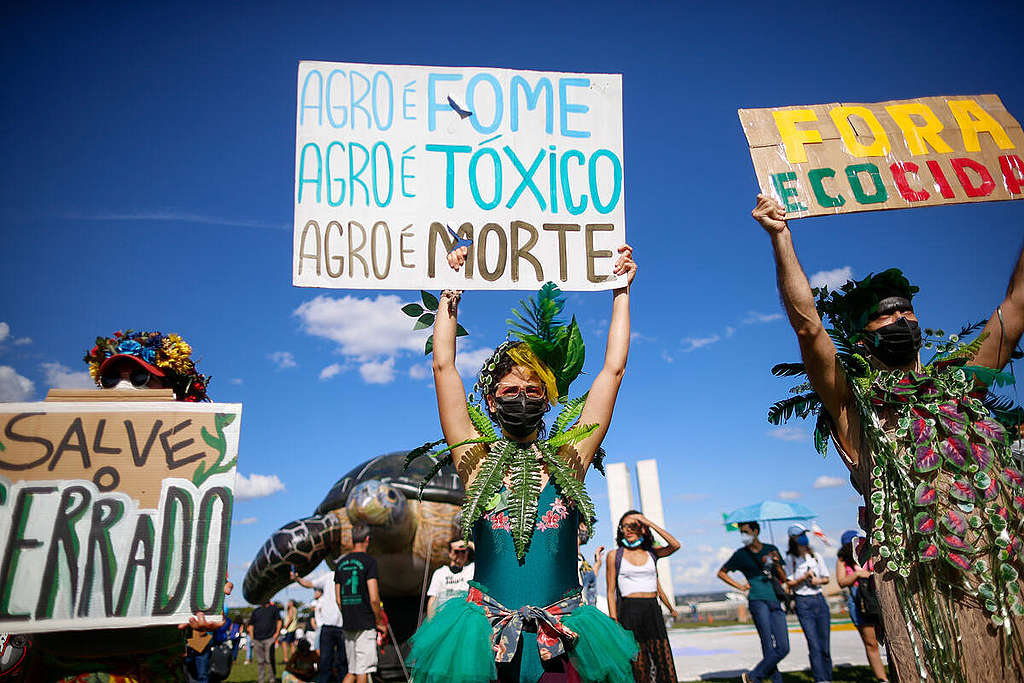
{"x": 768, "y": 511}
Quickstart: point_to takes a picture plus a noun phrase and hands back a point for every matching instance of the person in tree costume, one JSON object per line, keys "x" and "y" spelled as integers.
{"x": 926, "y": 448}
{"x": 523, "y": 619}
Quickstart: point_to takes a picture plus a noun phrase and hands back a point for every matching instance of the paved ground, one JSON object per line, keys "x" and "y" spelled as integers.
{"x": 710, "y": 653}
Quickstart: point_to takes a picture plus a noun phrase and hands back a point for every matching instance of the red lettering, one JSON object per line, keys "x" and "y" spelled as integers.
{"x": 940, "y": 179}
{"x": 899, "y": 174}
{"x": 960, "y": 167}
{"x": 1013, "y": 172}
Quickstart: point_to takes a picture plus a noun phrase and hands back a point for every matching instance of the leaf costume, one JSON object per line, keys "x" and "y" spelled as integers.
{"x": 945, "y": 496}
{"x": 526, "y": 597}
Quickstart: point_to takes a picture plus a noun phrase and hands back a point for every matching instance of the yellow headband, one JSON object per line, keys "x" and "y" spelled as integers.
{"x": 521, "y": 354}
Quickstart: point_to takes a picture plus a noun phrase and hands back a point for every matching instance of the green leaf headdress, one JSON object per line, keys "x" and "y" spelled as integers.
{"x": 850, "y": 308}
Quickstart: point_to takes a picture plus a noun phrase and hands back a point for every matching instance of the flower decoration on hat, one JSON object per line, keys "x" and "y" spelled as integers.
{"x": 167, "y": 356}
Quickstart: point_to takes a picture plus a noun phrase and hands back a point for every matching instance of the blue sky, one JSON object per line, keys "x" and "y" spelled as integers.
{"x": 150, "y": 153}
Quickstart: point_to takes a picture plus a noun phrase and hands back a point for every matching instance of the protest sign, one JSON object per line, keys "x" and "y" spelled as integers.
{"x": 842, "y": 158}
{"x": 525, "y": 164}
{"x": 114, "y": 514}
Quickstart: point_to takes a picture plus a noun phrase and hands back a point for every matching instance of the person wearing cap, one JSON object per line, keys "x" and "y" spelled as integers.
{"x": 450, "y": 580}
{"x": 849, "y": 575}
{"x": 931, "y": 459}
{"x": 806, "y": 573}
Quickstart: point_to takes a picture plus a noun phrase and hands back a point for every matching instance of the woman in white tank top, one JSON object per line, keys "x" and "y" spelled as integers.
{"x": 633, "y": 593}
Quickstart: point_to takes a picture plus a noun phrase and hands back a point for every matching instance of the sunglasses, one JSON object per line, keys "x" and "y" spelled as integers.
{"x": 514, "y": 390}
{"x": 138, "y": 377}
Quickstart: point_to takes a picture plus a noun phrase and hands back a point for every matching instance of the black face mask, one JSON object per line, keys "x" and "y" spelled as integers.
{"x": 897, "y": 343}
{"x": 520, "y": 416}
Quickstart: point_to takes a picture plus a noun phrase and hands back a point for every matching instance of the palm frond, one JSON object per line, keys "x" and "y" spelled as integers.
{"x": 789, "y": 370}
{"x": 801, "y": 406}
{"x": 438, "y": 466}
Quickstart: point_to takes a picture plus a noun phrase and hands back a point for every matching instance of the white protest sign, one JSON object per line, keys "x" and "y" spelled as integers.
{"x": 114, "y": 514}
{"x": 526, "y": 164}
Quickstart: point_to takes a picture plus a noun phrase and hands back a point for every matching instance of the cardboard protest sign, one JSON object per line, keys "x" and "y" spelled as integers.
{"x": 526, "y": 164}
{"x": 842, "y": 158}
{"x": 114, "y": 514}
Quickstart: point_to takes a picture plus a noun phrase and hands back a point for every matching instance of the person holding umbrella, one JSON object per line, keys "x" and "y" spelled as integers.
{"x": 759, "y": 563}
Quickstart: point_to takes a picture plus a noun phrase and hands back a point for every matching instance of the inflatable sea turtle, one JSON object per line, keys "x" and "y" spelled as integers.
{"x": 407, "y": 533}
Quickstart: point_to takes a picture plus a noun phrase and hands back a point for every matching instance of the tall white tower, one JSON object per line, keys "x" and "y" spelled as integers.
{"x": 620, "y": 491}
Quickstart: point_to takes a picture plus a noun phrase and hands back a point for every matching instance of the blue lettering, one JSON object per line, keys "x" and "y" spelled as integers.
{"x": 449, "y": 155}
{"x": 532, "y": 98}
{"x": 354, "y": 176}
{"x": 391, "y": 173}
{"x": 391, "y": 101}
{"x": 327, "y": 163}
{"x": 302, "y": 168}
{"x": 527, "y": 180}
{"x": 616, "y": 180}
{"x": 499, "y": 103}
{"x": 319, "y": 99}
{"x": 330, "y": 107}
{"x": 474, "y": 186}
{"x": 572, "y": 207}
{"x": 406, "y": 104}
{"x": 355, "y": 102}
{"x": 433, "y": 106}
{"x": 564, "y": 108}
{"x": 406, "y": 156}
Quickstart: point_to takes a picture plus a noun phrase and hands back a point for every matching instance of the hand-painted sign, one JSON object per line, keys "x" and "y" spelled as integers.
{"x": 395, "y": 164}
{"x": 114, "y": 514}
{"x": 842, "y": 158}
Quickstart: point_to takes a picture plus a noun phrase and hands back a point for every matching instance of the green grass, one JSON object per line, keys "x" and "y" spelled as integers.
{"x": 246, "y": 673}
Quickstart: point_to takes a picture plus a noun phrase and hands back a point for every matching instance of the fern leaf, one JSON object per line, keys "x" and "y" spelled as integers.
{"x": 570, "y": 413}
{"x": 789, "y": 370}
{"x": 418, "y": 451}
{"x": 573, "y": 436}
{"x": 438, "y": 466}
{"x": 522, "y": 498}
{"x": 485, "y": 485}
{"x": 480, "y": 421}
{"x": 568, "y": 484}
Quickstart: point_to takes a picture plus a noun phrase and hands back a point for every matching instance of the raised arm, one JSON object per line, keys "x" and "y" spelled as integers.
{"x": 672, "y": 544}
{"x": 816, "y": 347}
{"x": 451, "y": 394}
{"x": 1005, "y": 326}
{"x": 601, "y": 399}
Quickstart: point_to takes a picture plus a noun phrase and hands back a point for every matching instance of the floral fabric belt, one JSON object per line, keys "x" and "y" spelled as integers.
{"x": 507, "y": 625}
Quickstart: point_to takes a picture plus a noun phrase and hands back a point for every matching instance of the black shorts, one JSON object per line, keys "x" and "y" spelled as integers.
{"x": 288, "y": 637}
{"x": 642, "y": 617}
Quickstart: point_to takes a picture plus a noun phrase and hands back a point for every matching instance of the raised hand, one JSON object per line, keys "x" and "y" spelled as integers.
{"x": 770, "y": 214}
{"x": 624, "y": 264}
{"x": 457, "y": 257}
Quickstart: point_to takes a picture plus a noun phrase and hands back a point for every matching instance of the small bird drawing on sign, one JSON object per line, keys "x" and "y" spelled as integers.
{"x": 463, "y": 114}
{"x": 459, "y": 241}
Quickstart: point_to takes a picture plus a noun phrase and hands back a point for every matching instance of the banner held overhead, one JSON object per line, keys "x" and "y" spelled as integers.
{"x": 843, "y": 158}
{"x": 394, "y": 165}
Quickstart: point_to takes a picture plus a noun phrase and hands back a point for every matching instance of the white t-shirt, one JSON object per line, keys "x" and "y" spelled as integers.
{"x": 799, "y": 566}
{"x": 326, "y": 611}
{"x": 444, "y": 584}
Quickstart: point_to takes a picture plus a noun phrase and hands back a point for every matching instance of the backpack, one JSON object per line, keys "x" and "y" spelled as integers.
{"x": 866, "y": 598}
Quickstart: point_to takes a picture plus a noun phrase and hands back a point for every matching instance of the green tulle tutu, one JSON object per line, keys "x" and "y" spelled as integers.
{"x": 604, "y": 649}
{"x": 454, "y": 645}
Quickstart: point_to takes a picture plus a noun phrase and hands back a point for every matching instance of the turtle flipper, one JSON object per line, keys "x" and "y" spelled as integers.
{"x": 302, "y": 544}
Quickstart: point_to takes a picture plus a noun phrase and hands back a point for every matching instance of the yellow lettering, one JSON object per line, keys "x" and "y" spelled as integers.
{"x": 972, "y": 120}
{"x": 917, "y": 135}
{"x": 841, "y": 117}
{"x": 793, "y": 138}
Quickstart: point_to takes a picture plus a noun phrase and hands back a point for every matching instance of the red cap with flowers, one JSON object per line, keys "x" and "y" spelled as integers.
{"x": 166, "y": 356}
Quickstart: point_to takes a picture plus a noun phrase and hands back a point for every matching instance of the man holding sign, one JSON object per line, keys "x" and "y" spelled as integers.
{"x": 944, "y": 495}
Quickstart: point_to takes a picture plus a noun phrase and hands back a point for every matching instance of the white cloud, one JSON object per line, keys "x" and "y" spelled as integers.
{"x": 470, "y": 362}
{"x": 179, "y": 217}
{"x": 22, "y": 341}
{"x": 330, "y": 371}
{"x": 640, "y": 337}
{"x": 705, "y": 549}
{"x": 754, "y": 317}
{"x": 789, "y": 433}
{"x": 60, "y": 376}
{"x": 5, "y": 331}
{"x": 363, "y": 328}
{"x": 282, "y": 359}
{"x": 237, "y": 381}
{"x": 256, "y": 486}
{"x": 827, "y": 482}
{"x": 693, "y": 343}
{"x": 833, "y": 279}
{"x": 729, "y": 331}
{"x": 698, "y": 570}
{"x": 419, "y": 371}
{"x": 245, "y": 520}
{"x": 790, "y": 495}
{"x": 14, "y": 387}
{"x": 665, "y": 356}
{"x": 378, "y": 372}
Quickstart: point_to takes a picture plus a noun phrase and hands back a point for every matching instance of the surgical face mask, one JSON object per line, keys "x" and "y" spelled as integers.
{"x": 802, "y": 540}
{"x": 125, "y": 384}
{"x": 520, "y": 416}
{"x": 897, "y": 343}
{"x": 745, "y": 538}
{"x": 635, "y": 543}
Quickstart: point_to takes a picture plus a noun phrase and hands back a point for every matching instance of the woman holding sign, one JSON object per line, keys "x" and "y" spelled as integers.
{"x": 525, "y": 498}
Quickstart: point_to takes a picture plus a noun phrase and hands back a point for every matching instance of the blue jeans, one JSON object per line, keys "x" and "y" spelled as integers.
{"x": 332, "y": 654}
{"x": 770, "y": 621}
{"x": 812, "y": 610}
{"x": 201, "y": 661}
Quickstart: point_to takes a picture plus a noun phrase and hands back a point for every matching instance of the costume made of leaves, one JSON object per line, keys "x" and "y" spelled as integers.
{"x": 946, "y": 496}
{"x": 555, "y": 352}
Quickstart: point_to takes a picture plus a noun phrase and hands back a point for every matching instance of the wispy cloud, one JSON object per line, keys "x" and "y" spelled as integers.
{"x": 176, "y": 217}
{"x": 790, "y": 495}
{"x": 469, "y": 362}
{"x": 755, "y": 317}
{"x": 282, "y": 359}
{"x": 788, "y": 433}
{"x": 14, "y": 387}
{"x": 237, "y": 381}
{"x": 694, "y": 343}
{"x": 640, "y": 337}
{"x": 330, "y": 371}
{"x": 245, "y": 520}
{"x": 419, "y": 371}
{"x": 827, "y": 482}
{"x": 834, "y": 279}
{"x": 256, "y": 486}
{"x": 60, "y": 376}
{"x": 378, "y": 372}
{"x": 5, "y": 332}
